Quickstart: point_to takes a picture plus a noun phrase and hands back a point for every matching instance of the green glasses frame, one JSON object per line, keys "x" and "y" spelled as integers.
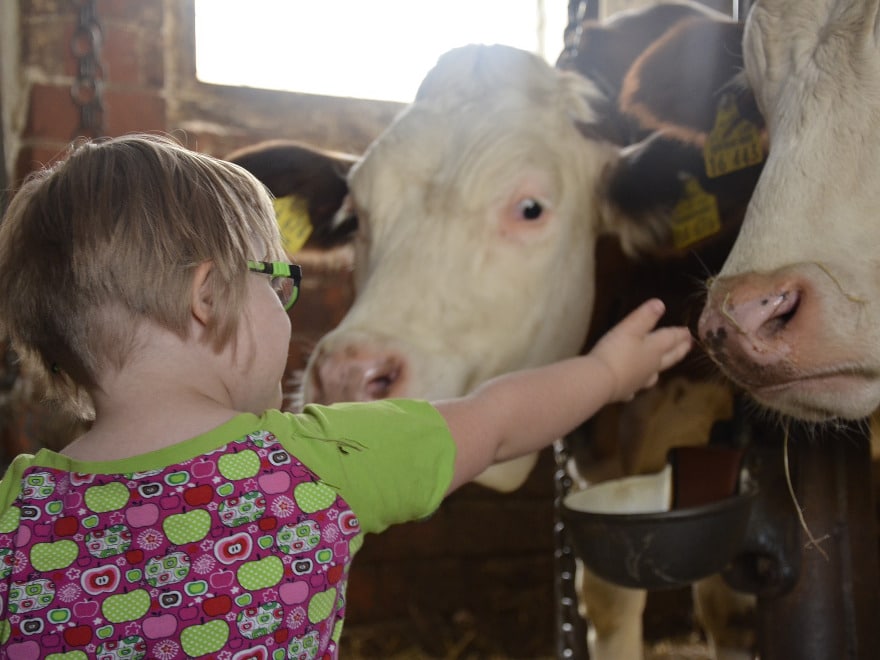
{"x": 286, "y": 279}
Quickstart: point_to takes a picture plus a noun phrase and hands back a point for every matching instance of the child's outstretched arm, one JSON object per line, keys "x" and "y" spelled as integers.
{"x": 524, "y": 411}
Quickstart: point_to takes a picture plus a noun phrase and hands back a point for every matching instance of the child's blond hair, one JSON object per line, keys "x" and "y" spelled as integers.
{"x": 111, "y": 235}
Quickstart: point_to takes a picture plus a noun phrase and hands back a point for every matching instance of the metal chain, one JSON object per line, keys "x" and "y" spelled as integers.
{"x": 571, "y": 631}
{"x": 578, "y": 12}
{"x": 572, "y": 35}
{"x": 570, "y": 627}
{"x": 88, "y": 87}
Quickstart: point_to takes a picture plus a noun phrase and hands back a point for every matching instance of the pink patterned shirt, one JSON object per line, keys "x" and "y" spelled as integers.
{"x": 234, "y": 545}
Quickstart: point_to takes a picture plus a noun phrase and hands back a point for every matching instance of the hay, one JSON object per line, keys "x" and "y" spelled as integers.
{"x": 813, "y": 541}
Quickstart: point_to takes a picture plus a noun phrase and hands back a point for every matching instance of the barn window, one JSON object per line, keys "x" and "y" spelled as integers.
{"x": 350, "y": 48}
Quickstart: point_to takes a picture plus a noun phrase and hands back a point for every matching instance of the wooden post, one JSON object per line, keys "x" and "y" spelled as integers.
{"x": 833, "y": 609}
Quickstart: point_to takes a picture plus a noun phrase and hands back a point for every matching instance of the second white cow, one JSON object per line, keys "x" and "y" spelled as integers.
{"x": 793, "y": 315}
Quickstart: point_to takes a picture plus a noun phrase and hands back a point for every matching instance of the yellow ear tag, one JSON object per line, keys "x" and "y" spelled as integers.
{"x": 695, "y": 216}
{"x": 293, "y": 221}
{"x": 734, "y": 142}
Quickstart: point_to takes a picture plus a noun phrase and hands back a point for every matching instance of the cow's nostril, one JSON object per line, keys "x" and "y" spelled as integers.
{"x": 785, "y": 307}
{"x": 380, "y": 387}
{"x": 355, "y": 373}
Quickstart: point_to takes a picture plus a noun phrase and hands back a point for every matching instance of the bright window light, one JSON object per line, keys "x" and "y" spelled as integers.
{"x": 379, "y": 49}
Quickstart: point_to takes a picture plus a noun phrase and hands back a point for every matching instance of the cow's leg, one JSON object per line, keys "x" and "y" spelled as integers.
{"x": 614, "y": 615}
{"x": 727, "y": 617}
{"x": 507, "y": 476}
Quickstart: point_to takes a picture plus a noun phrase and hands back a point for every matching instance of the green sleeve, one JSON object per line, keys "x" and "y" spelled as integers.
{"x": 391, "y": 460}
{"x": 10, "y": 486}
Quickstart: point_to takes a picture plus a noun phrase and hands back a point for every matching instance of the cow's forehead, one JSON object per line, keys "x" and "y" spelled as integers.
{"x": 475, "y": 97}
{"x": 815, "y": 68}
{"x": 827, "y": 46}
{"x": 466, "y": 154}
{"x": 477, "y": 73}
{"x": 426, "y": 146}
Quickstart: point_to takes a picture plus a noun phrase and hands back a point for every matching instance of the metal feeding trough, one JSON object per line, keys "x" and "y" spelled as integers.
{"x": 659, "y": 531}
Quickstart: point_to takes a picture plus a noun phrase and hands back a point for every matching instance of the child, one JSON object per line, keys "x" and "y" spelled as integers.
{"x": 148, "y": 285}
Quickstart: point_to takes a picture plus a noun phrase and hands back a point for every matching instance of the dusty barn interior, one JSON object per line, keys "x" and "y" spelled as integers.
{"x": 481, "y": 578}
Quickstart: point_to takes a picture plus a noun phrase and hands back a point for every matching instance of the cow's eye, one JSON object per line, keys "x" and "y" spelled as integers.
{"x": 531, "y": 209}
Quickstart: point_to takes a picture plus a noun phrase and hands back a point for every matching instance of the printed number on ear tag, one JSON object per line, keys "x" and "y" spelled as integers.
{"x": 293, "y": 221}
{"x": 734, "y": 143}
{"x": 695, "y": 216}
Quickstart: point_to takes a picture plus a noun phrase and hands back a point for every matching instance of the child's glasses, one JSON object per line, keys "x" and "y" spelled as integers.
{"x": 285, "y": 279}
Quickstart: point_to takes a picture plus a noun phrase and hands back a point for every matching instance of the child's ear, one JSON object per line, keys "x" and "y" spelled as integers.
{"x": 202, "y": 293}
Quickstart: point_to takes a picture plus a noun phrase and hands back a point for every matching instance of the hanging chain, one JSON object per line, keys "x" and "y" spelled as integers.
{"x": 578, "y": 12}
{"x": 571, "y": 632}
{"x": 88, "y": 87}
{"x": 572, "y": 36}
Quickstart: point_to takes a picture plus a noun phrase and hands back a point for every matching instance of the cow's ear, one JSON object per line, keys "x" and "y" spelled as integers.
{"x": 307, "y": 176}
{"x": 702, "y": 141}
{"x": 677, "y": 83}
{"x": 606, "y": 50}
{"x": 659, "y": 200}
{"x": 640, "y": 190}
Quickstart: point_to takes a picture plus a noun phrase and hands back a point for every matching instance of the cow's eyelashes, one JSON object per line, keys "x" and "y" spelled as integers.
{"x": 531, "y": 209}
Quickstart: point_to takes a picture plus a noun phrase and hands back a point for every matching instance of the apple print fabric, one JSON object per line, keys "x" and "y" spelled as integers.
{"x": 240, "y": 553}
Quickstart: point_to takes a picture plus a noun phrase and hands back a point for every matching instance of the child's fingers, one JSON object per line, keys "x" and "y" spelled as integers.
{"x": 674, "y": 356}
{"x": 669, "y": 337}
{"x": 644, "y": 317}
{"x": 673, "y": 343}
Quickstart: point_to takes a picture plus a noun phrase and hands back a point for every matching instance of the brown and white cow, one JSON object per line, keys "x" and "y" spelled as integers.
{"x": 477, "y": 217}
{"x": 671, "y": 109}
{"x": 793, "y": 315}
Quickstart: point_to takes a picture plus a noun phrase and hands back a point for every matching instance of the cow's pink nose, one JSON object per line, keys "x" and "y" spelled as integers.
{"x": 355, "y": 374}
{"x": 751, "y": 317}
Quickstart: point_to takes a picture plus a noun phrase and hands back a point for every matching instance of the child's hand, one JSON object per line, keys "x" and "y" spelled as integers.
{"x": 635, "y": 355}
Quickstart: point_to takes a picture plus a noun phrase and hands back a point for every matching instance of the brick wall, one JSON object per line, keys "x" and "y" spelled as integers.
{"x": 133, "y": 74}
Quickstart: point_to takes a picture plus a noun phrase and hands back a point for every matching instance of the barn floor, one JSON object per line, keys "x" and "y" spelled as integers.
{"x": 475, "y": 582}
{"x": 464, "y": 642}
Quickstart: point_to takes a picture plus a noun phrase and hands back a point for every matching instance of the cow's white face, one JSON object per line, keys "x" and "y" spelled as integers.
{"x": 793, "y": 315}
{"x": 478, "y": 219}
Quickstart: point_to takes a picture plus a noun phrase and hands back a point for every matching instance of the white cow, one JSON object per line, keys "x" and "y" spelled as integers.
{"x": 478, "y": 211}
{"x": 793, "y": 316}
